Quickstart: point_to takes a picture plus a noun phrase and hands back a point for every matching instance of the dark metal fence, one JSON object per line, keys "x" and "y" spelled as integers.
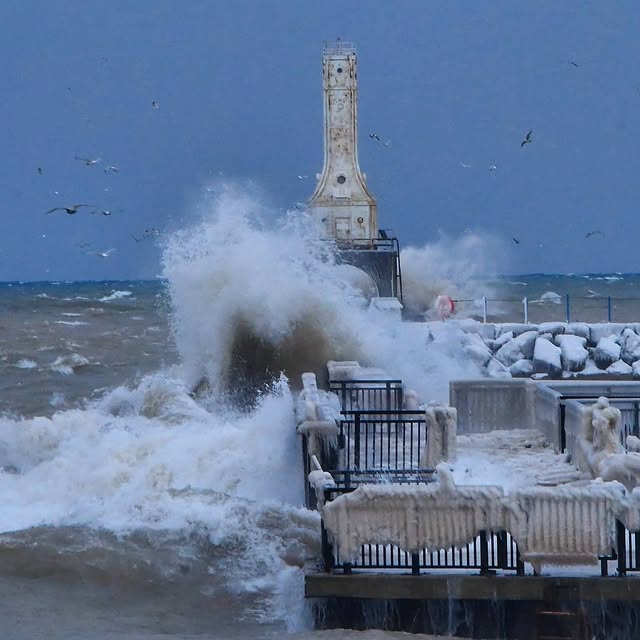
{"x": 381, "y": 440}
{"x": 565, "y": 308}
{"x": 368, "y": 394}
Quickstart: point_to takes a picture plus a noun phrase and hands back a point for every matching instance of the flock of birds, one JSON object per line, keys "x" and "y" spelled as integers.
{"x": 73, "y": 209}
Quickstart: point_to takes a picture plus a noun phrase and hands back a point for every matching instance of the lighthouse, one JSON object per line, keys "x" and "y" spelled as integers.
{"x": 342, "y": 204}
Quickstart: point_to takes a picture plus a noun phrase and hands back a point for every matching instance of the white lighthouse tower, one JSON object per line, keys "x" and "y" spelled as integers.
{"x": 341, "y": 203}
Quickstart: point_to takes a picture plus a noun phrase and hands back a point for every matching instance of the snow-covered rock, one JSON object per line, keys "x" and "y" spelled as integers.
{"x": 605, "y": 330}
{"x": 477, "y": 349}
{"x": 554, "y": 328}
{"x": 496, "y": 369}
{"x": 517, "y": 328}
{"x": 502, "y": 339}
{"x": 635, "y": 369}
{"x": 509, "y": 353}
{"x": 547, "y": 358}
{"x": 631, "y": 346}
{"x": 574, "y": 355}
{"x": 607, "y": 352}
{"x": 619, "y": 368}
{"x": 578, "y": 329}
{"x": 521, "y": 369}
{"x": 526, "y": 342}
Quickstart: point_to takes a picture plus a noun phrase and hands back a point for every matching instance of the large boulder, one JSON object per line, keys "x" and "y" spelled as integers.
{"x": 496, "y": 369}
{"x": 574, "y": 355}
{"x": 630, "y": 346}
{"x": 554, "y": 328}
{"x": 607, "y": 352}
{"x": 517, "y": 328}
{"x": 477, "y": 349}
{"x": 619, "y": 368}
{"x": 526, "y": 341}
{"x": 579, "y": 329}
{"x": 604, "y": 330}
{"x": 509, "y": 353}
{"x": 521, "y": 369}
{"x": 547, "y": 358}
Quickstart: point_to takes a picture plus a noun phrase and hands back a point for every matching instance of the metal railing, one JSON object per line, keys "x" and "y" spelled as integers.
{"x": 487, "y": 553}
{"x": 374, "y": 441}
{"x": 565, "y": 308}
{"x": 368, "y": 394}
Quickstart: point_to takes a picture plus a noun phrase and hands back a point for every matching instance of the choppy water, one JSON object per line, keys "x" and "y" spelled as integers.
{"x": 130, "y": 509}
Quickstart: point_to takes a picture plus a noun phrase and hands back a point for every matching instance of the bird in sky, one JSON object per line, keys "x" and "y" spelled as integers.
{"x": 527, "y": 139}
{"x": 90, "y": 162}
{"x": 516, "y": 240}
{"x": 101, "y": 254}
{"x": 70, "y": 210}
{"x": 465, "y": 166}
{"x": 595, "y": 232}
{"x": 154, "y": 104}
{"x": 111, "y": 169}
{"x": 147, "y": 234}
{"x": 104, "y": 212}
{"x": 375, "y": 136}
{"x": 302, "y": 177}
{"x": 572, "y": 63}
{"x": 492, "y": 167}
{"x": 39, "y": 171}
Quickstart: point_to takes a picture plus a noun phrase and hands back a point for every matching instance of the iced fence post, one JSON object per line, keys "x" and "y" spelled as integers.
{"x": 441, "y": 424}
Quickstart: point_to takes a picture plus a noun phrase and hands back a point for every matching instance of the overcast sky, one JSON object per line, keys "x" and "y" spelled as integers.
{"x": 239, "y": 90}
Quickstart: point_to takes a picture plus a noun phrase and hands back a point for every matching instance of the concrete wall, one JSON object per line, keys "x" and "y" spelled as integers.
{"x": 486, "y": 405}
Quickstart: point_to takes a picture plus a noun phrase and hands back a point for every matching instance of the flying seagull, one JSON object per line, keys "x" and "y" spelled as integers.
{"x": 516, "y": 240}
{"x": 302, "y": 177}
{"x": 101, "y": 254}
{"x": 527, "y": 139}
{"x": 104, "y": 212}
{"x": 575, "y": 64}
{"x": 492, "y": 167}
{"x": 154, "y": 104}
{"x": 465, "y": 166}
{"x": 595, "y": 232}
{"x": 70, "y": 210}
{"x": 111, "y": 169}
{"x": 148, "y": 233}
{"x": 39, "y": 171}
{"x": 88, "y": 161}
{"x": 375, "y": 136}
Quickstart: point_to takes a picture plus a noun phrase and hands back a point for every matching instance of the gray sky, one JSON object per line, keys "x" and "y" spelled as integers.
{"x": 239, "y": 88}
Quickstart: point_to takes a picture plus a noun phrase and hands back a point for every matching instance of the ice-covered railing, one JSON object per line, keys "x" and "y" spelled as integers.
{"x": 569, "y": 525}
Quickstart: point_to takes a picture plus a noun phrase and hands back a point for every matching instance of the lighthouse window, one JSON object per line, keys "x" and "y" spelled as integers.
{"x": 341, "y": 179}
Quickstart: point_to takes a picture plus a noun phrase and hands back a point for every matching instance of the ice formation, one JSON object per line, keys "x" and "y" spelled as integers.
{"x": 552, "y": 525}
{"x": 598, "y": 449}
{"x": 441, "y": 424}
{"x": 561, "y": 349}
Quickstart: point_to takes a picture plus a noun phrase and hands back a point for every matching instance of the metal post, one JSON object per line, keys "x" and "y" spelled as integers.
{"x": 484, "y": 554}
{"x": 356, "y": 441}
{"x": 484, "y": 309}
{"x": 609, "y": 309}
{"x": 621, "y": 548}
{"x": 525, "y": 304}
{"x": 502, "y": 549}
{"x": 327, "y": 550}
{"x": 636, "y": 419}
{"x": 415, "y": 564}
{"x": 568, "y": 310}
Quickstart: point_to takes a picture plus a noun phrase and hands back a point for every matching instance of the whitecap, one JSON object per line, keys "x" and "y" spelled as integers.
{"x": 115, "y": 295}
